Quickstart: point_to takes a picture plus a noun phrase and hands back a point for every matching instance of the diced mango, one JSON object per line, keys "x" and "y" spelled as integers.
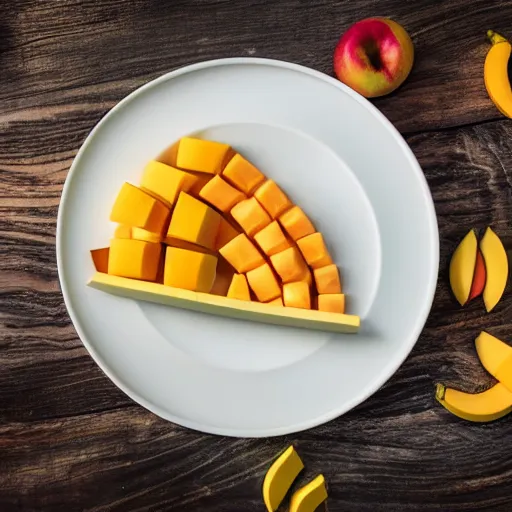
{"x": 314, "y": 251}
{"x": 296, "y": 295}
{"x": 123, "y": 231}
{"x": 147, "y": 236}
{"x": 242, "y": 174}
{"x": 134, "y": 207}
{"x": 296, "y": 224}
{"x": 239, "y": 289}
{"x": 272, "y": 198}
{"x": 327, "y": 279}
{"x": 331, "y": 302}
{"x": 263, "y": 283}
{"x": 271, "y": 239}
{"x": 189, "y": 269}
{"x": 194, "y": 221}
{"x": 134, "y": 258}
{"x": 165, "y": 182}
{"x": 306, "y": 276}
{"x": 100, "y": 259}
{"x": 202, "y": 155}
{"x": 290, "y": 265}
{"x": 276, "y": 302}
{"x": 201, "y": 180}
{"x": 221, "y": 194}
{"x": 241, "y": 254}
{"x": 225, "y": 234}
{"x": 223, "y": 278}
{"x": 250, "y": 215}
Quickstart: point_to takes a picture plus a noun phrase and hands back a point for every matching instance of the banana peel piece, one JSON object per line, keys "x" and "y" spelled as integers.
{"x": 496, "y": 358}
{"x": 280, "y": 477}
{"x": 309, "y": 497}
{"x": 496, "y": 74}
{"x": 496, "y": 264}
{"x": 489, "y": 405}
{"x": 462, "y": 267}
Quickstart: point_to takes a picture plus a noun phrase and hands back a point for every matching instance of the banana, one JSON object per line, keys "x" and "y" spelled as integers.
{"x": 280, "y": 477}
{"x": 496, "y": 358}
{"x": 496, "y": 78}
{"x": 309, "y": 497}
{"x": 489, "y": 405}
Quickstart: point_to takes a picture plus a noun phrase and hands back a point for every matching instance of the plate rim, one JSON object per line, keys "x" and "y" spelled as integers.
{"x": 422, "y": 316}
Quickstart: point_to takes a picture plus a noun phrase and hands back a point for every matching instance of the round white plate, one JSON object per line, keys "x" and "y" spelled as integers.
{"x": 343, "y": 163}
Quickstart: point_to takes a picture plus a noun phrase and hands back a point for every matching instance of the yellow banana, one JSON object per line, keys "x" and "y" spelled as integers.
{"x": 489, "y": 405}
{"x": 496, "y": 78}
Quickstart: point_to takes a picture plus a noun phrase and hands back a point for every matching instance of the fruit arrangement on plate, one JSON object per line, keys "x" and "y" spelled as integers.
{"x": 212, "y": 233}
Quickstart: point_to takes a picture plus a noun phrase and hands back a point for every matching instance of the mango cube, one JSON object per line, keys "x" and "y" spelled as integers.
{"x": 123, "y": 231}
{"x": 221, "y": 194}
{"x": 314, "y": 251}
{"x": 272, "y": 198}
{"x": 276, "y": 302}
{"x": 239, "y": 289}
{"x": 202, "y": 155}
{"x": 241, "y": 254}
{"x": 327, "y": 279}
{"x": 271, "y": 239}
{"x": 297, "y": 295}
{"x": 225, "y": 234}
{"x": 194, "y": 221}
{"x": 135, "y": 259}
{"x": 250, "y": 215}
{"x": 147, "y": 236}
{"x": 201, "y": 180}
{"x": 134, "y": 207}
{"x": 189, "y": 269}
{"x": 290, "y": 265}
{"x": 263, "y": 283}
{"x": 296, "y": 224}
{"x": 242, "y": 174}
{"x": 165, "y": 182}
{"x": 100, "y": 259}
{"x": 331, "y": 302}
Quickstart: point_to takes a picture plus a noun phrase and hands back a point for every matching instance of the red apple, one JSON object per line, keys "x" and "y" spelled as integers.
{"x": 374, "y": 56}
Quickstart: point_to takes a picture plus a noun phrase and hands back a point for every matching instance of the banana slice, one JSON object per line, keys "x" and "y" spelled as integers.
{"x": 309, "y": 497}
{"x": 496, "y": 358}
{"x": 280, "y": 477}
{"x": 496, "y": 75}
{"x": 490, "y": 405}
{"x": 496, "y": 264}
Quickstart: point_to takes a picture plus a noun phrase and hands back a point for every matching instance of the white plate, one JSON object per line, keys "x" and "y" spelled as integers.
{"x": 339, "y": 159}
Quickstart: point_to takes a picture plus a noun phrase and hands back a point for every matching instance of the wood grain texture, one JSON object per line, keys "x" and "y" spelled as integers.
{"x": 69, "y": 439}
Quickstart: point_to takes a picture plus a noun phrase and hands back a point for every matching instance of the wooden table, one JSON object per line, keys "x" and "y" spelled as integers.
{"x": 69, "y": 439}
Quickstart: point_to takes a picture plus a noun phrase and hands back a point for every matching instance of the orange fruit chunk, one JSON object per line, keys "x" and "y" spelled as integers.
{"x": 241, "y": 254}
{"x": 296, "y": 295}
{"x": 272, "y": 198}
{"x": 263, "y": 283}
{"x": 314, "y": 251}
{"x": 296, "y": 223}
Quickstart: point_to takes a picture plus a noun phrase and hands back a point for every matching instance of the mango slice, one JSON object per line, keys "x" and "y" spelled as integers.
{"x": 271, "y": 239}
{"x": 289, "y": 265}
{"x": 263, "y": 283}
{"x": 297, "y": 295}
{"x": 309, "y": 497}
{"x": 189, "y": 270}
{"x": 242, "y": 174}
{"x": 496, "y": 358}
{"x": 296, "y": 223}
{"x": 272, "y": 198}
{"x": 194, "y": 221}
{"x": 165, "y": 182}
{"x": 100, "y": 259}
{"x": 225, "y": 233}
{"x": 327, "y": 279}
{"x": 332, "y": 302}
{"x": 251, "y": 216}
{"x": 241, "y": 254}
{"x": 221, "y": 194}
{"x": 462, "y": 267}
{"x": 239, "y": 289}
{"x": 134, "y": 207}
{"x": 496, "y": 264}
{"x": 280, "y": 477}
{"x": 489, "y": 405}
{"x": 314, "y": 250}
{"x": 134, "y": 258}
{"x": 202, "y": 155}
